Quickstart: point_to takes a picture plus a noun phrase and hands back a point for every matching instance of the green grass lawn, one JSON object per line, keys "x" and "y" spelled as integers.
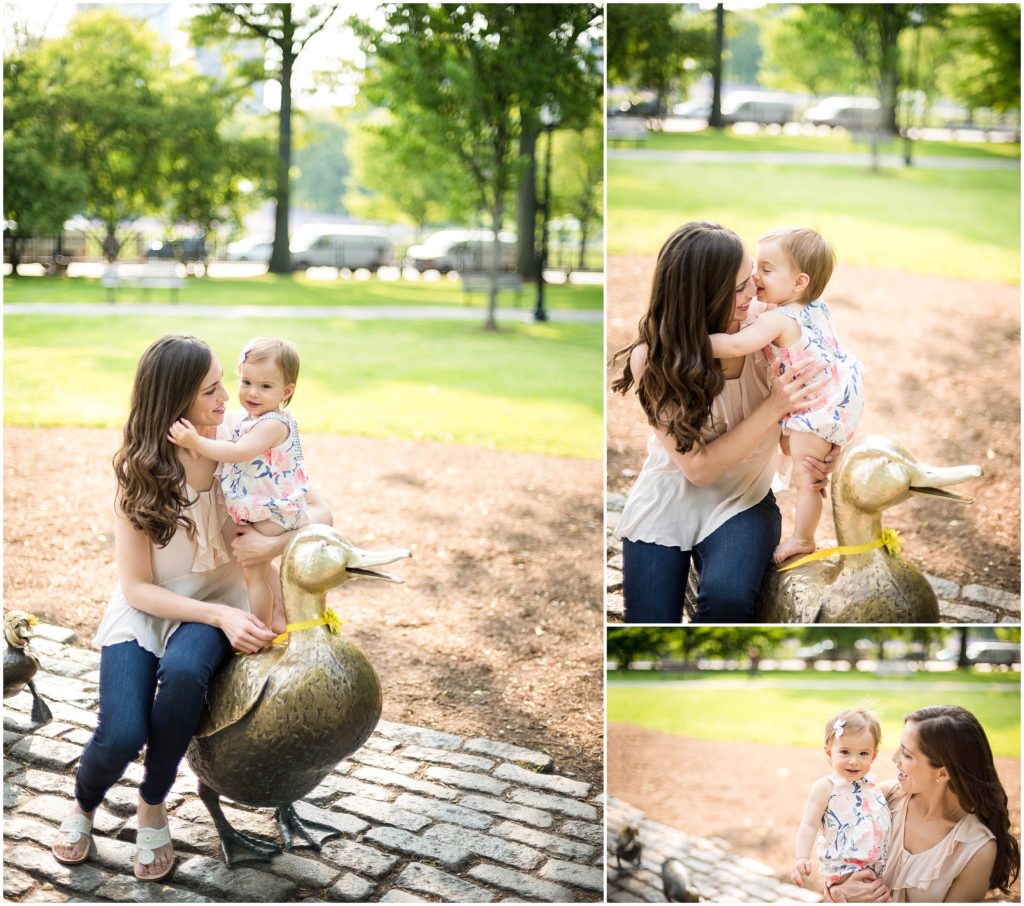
{"x": 529, "y": 387}
{"x": 796, "y": 716}
{"x": 835, "y": 142}
{"x": 273, "y": 289}
{"x": 951, "y": 223}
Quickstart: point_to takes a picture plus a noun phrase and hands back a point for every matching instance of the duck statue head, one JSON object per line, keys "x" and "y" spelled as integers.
{"x": 279, "y": 721}
{"x": 21, "y": 663}
{"x": 875, "y": 585}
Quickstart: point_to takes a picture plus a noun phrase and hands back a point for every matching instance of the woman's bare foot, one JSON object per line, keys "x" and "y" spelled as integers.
{"x": 154, "y": 816}
{"x": 790, "y": 548}
{"x": 73, "y": 852}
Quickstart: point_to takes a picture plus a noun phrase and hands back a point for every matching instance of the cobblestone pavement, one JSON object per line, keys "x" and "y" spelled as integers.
{"x": 718, "y": 874}
{"x": 957, "y": 603}
{"x": 425, "y": 816}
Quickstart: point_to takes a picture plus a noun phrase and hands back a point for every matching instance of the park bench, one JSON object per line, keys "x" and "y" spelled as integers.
{"x": 481, "y": 283}
{"x": 627, "y": 129}
{"x": 151, "y": 275}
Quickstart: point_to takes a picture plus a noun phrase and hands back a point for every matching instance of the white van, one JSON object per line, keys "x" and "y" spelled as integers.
{"x": 340, "y": 246}
{"x": 462, "y": 250}
{"x": 765, "y": 107}
{"x": 851, "y": 113}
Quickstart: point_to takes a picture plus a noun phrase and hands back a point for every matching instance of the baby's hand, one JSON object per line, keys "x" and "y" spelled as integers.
{"x": 184, "y": 434}
{"x": 801, "y": 870}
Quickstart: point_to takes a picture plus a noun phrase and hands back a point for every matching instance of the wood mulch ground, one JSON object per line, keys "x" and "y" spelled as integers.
{"x": 749, "y": 794}
{"x": 942, "y": 363}
{"x": 497, "y": 631}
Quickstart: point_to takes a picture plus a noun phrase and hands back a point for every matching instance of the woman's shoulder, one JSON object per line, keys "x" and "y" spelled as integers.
{"x": 638, "y": 360}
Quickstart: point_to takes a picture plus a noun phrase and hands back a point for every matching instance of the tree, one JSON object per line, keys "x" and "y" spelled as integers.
{"x": 286, "y": 30}
{"x": 979, "y": 60}
{"x": 41, "y": 190}
{"x": 397, "y": 174}
{"x": 716, "y": 121}
{"x": 654, "y": 46}
{"x": 457, "y": 77}
{"x": 577, "y": 185}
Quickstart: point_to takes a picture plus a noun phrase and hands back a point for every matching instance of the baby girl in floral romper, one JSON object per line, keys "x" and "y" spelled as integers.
{"x": 846, "y": 811}
{"x": 264, "y": 483}
{"x": 793, "y": 267}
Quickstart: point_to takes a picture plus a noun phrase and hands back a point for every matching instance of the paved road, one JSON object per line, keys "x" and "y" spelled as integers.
{"x": 873, "y": 685}
{"x": 351, "y": 312}
{"x": 810, "y": 158}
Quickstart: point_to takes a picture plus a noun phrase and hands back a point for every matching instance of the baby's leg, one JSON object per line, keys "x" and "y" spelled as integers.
{"x": 257, "y": 583}
{"x": 808, "y": 499}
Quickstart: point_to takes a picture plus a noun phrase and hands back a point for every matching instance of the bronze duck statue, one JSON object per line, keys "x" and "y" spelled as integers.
{"x": 278, "y": 722}
{"x": 874, "y": 586}
{"x": 628, "y": 846}
{"x": 21, "y": 664}
{"x": 677, "y": 884}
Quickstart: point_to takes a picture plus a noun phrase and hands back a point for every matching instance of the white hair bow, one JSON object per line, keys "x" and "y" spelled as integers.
{"x": 837, "y": 728}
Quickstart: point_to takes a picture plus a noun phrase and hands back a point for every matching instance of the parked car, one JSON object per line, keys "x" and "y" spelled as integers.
{"x": 340, "y": 246}
{"x": 849, "y": 113}
{"x": 764, "y": 107}
{"x": 179, "y": 249}
{"x": 985, "y": 651}
{"x": 462, "y": 250}
{"x": 693, "y": 110}
{"x": 252, "y": 248}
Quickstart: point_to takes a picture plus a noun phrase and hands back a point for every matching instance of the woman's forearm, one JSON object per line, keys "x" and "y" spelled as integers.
{"x": 168, "y": 605}
{"x": 722, "y": 455}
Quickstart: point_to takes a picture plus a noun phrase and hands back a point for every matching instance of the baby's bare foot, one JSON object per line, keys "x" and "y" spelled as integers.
{"x": 73, "y": 852}
{"x": 790, "y": 548}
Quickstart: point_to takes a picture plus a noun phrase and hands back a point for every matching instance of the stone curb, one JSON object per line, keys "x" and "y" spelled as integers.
{"x": 957, "y": 604}
{"x": 425, "y": 816}
{"x": 718, "y": 873}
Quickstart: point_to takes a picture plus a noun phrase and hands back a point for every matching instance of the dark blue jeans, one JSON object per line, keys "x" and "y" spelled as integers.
{"x": 732, "y": 561}
{"x": 149, "y": 701}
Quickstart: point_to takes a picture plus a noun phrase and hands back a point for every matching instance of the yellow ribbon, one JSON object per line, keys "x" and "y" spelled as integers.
{"x": 330, "y": 619}
{"x": 889, "y": 539}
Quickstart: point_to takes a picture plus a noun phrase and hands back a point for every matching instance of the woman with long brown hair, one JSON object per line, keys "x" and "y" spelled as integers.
{"x": 180, "y": 606}
{"x": 951, "y": 838}
{"x": 704, "y": 493}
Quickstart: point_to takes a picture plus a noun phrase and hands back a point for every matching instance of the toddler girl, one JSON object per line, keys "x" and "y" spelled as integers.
{"x": 265, "y": 483}
{"x": 845, "y": 810}
{"x": 793, "y": 267}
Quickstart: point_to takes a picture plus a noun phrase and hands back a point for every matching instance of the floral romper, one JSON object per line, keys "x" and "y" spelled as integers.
{"x": 273, "y": 485}
{"x": 855, "y": 829}
{"x": 842, "y": 382}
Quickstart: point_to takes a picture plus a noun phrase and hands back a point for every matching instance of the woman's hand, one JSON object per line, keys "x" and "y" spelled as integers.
{"x": 793, "y": 388}
{"x": 820, "y": 469}
{"x": 244, "y": 631}
{"x": 861, "y": 887}
{"x": 801, "y": 870}
{"x": 251, "y": 548}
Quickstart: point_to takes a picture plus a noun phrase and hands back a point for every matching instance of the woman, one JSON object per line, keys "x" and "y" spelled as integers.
{"x": 951, "y": 839}
{"x": 705, "y": 489}
{"x": 180, "y": 606}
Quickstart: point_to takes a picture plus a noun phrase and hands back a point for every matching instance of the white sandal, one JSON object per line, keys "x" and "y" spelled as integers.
{"x": 74, "y": 827}
{"x": 147, "y": 841}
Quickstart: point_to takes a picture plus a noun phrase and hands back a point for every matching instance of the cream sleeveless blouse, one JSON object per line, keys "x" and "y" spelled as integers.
{"x": 926, "y": 877}
{"x": 202, "y": 569}
{"x": 664, "y": 508}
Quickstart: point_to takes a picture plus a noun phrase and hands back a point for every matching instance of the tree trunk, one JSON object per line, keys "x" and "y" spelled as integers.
{"x": 583, "y": 245}
{"x": 280, "y": 258}
{"x": 962, "y": 660}
{"x": 526, "y": 204}
{"x": 716, "y": 69}
{"x": 492, "y": 293}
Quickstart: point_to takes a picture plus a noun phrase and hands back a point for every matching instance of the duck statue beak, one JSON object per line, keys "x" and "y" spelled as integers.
{"x": 930, "y": 481}
{"x": 358, "y": 562}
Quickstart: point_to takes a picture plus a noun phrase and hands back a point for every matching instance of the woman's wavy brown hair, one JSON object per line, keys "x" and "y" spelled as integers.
{"x": 150, "y": 477}
{"x": 692, "y": 296}
{"x": 951, "y": 737}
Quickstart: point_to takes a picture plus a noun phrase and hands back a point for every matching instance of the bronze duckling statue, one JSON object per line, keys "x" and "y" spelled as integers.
{"x": 278, "y": 722}
{"x": 873, "y": 586}
{"x": 628, "y": 846}
{"x": 676, "y": 883}
{"x": 21, "y": 664}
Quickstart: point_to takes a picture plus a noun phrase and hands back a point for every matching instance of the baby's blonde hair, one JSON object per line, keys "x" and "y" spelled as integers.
{"x": 811, "y": 254}
{"x": 856, "y": 719}
{"x": 282, "y": 353}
